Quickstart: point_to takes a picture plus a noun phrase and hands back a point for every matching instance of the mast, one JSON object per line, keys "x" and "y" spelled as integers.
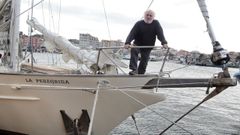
{"x": 204, "y": 11}
{"x": 219, "y": 56}
{"x": 14, "y": 35}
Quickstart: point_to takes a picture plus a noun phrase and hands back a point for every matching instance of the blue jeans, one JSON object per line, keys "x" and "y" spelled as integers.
{"x": 144, "y": 53}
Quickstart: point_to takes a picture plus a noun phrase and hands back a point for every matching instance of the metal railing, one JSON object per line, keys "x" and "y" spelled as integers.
{"x": 100, "y": 51}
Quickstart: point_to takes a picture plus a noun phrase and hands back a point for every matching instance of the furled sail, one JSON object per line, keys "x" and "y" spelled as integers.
{"x": 91, "y": 58}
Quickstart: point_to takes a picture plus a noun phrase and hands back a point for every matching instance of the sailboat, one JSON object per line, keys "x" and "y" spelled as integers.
{"x": 37, "y": 104}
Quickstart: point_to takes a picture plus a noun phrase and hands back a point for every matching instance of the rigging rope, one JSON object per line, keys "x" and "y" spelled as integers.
{"x": 135, "y": 122}
{"x": 51, "y": 14}
{"x": 30, "y": 37}
{"x": 94, "y": 107}
{"x": 105, "y": 13}
{"x": 59, "y": 15}
{"x": 29, "y": 8}
{"x": 43, "y": 15}
{"x": 150, "y": 4}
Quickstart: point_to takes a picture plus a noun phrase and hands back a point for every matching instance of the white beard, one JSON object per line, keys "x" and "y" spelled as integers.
{"x": 148, "y": 21}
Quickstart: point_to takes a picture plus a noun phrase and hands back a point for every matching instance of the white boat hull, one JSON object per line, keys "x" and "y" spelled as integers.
{"x": 31, "y": 103}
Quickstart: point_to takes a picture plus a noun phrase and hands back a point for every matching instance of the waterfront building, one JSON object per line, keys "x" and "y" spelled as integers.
{"x": 88, "y": 41}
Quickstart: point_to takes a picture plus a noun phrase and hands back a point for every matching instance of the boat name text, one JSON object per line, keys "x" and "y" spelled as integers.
{"x": 46, "y": 81}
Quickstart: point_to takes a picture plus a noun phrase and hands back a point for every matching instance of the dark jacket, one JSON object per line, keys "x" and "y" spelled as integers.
{"x": 145, "y": 34}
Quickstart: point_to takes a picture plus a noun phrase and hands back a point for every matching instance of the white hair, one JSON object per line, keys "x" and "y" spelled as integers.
{"x": 149, "y": 11}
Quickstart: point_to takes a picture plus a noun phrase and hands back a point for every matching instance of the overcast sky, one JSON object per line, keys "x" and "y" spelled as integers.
{"x": 182, "y": 21}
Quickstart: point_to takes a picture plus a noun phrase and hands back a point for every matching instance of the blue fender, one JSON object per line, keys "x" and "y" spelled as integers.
{"x": 237, "y": 75}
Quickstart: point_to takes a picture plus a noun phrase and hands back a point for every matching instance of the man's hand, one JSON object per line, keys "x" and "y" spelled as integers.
{"x": 127, "y": 46}
{"x": 165, "y": 46}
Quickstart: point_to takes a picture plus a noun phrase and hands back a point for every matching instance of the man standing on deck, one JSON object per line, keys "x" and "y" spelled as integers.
{"x": 144, "y": 33}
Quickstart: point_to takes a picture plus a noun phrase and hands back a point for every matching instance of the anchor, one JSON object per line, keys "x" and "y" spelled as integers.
{"x": 78, "y": 126}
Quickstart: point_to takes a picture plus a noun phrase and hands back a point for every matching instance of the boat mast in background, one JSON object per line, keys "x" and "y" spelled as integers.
{"x": 14, "y": 35}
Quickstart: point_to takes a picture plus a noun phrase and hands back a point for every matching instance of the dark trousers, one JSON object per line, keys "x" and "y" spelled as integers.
{"x": 144, "y": 53}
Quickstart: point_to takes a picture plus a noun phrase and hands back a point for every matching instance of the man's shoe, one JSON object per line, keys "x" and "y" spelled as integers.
{"x": 134, "y": 72}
